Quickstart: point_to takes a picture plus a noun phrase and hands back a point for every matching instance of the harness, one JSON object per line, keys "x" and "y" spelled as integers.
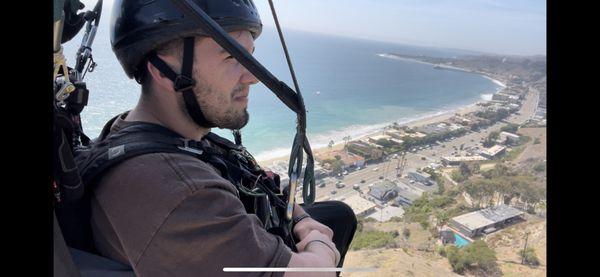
{"x": 258, "y": 190}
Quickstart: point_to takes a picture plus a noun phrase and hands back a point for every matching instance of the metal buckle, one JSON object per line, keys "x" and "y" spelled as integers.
{"x": 186, "y": 147}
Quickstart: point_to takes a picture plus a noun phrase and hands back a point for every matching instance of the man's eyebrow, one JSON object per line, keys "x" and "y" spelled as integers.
{"x": 223, "y": 51}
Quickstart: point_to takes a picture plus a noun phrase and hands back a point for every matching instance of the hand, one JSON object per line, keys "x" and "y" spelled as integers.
{"x": 315, "y": 238}
{"x": 305, "y": 226}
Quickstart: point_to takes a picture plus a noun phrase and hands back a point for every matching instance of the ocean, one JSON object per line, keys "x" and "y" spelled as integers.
{"x": 348, "y": 88}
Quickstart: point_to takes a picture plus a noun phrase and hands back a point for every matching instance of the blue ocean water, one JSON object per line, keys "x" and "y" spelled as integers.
{"x": 348, "y": 89}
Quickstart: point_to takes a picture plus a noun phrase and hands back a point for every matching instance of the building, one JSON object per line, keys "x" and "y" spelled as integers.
{"x": 434, "y": 128}
{"x": 348, "y": 159}
{"x": 377, "y": 139}
{"x": 504, "y": 97}
{"x": 384, "y": 190}
{"x": 493, "y": 151}
{"x": 420, "y": 177}
{"x": 402, "y": 200}
{"x": 397, "y": 134}
{"x": 463, "y": 159}
{"x": 359, "y": 205}
{"x": 485, "y": 221}
{"x": 365, "y": 149}
{"x": 385, "y": 214}
{"x": 508, "y": 138}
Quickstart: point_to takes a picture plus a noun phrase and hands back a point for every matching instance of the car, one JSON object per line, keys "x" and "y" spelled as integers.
{"x": 345, "y": 172}
{"x": 376, "y": 169}
{"x": 340, "y": 185}
{"x": 333, "y": 192}
{"x": 380, "y": 177}
{"x": 322, "y": 185}
{"x": 362, "y": 181}
{"x": 356, "y": 187}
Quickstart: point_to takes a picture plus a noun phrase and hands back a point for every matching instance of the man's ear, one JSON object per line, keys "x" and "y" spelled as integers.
{"x": 161, "y": 80}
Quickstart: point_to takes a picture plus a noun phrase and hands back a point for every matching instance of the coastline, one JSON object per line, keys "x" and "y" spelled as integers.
{"x": 276, "y": 156}
{"x": 447, "y": 67}
{"x": 421, "y": 121}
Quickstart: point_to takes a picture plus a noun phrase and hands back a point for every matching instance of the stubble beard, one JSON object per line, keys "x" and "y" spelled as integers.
{"x": 229, "y": 119}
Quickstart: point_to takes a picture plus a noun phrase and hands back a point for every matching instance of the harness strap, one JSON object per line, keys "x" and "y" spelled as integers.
{"x": 184, "y": 82}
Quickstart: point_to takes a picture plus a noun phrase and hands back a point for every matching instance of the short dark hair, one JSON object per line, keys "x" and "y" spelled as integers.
{"x": 143, "y": 77}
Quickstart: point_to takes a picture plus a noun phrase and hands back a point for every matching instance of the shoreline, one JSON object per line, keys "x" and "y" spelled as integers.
{"x": 277, "y": 155}
{"x": 421, "y": 121}
{"x": 446, "y": 67}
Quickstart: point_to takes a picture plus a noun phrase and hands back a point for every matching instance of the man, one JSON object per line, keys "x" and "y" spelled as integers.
{"x": 174, "y": 214}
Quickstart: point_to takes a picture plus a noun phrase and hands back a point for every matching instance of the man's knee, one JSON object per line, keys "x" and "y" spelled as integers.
{"x": 345, "y": 212}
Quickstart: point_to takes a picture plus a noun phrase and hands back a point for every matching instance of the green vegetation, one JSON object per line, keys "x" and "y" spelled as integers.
{"x": 373, "y": 239}
{"x": 406, "y": 233}
{"x": 514, "y": 153}
{"x": 511, "y": 128}
{"x": 431, "y": 138}
{"x": 476, "y": 255}
{"x": 492, "y": 115}
{"x": 390, "y": 146}
{"x": 524, "y": 139}
{"x": 465, "y": 171}
{"x": 428, "y": 206}
{"x": 337, "y": 165}
{"x": 491, "y": 139}
{"x": 507, "y": 185}
{"x": 528, "y": 256}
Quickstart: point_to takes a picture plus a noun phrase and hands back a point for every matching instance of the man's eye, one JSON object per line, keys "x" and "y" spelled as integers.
{"x": 229, "y": 57}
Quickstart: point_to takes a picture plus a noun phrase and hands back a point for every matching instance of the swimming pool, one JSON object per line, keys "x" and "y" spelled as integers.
{"x": 459, "y": 240}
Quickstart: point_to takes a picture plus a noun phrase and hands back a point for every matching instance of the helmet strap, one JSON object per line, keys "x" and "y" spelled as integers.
{"x": 184, "y": 83}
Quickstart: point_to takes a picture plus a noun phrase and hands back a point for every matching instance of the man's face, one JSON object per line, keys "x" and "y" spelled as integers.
{"x": 222, "y": 83}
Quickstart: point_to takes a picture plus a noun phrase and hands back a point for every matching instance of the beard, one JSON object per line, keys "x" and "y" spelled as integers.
{"x": 211, "y": 104}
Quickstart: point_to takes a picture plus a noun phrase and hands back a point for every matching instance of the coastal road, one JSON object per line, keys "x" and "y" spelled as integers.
{"x": 471, "y": 144}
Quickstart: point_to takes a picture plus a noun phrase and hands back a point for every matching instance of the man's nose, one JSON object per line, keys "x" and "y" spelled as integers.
{"x": 248, "y": 78}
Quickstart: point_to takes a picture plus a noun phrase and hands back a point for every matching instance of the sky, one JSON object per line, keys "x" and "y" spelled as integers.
{"x": 507, "y": 27}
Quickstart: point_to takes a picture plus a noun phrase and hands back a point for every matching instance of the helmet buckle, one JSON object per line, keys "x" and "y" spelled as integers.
{"x": 183, "y": 83}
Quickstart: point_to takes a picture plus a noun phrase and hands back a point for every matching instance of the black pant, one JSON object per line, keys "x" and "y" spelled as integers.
{"x": 340, "y": 218}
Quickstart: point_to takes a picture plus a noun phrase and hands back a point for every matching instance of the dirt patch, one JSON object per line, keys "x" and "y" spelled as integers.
{"x": 509, "y": 241}
{"x": 533, "y": 150}
{"x": 397, "y": 262}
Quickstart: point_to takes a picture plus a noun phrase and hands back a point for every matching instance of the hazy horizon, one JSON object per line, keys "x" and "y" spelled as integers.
{"x": 509, "y": 27}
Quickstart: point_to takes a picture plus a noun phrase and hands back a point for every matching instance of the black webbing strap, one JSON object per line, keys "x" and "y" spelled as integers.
{"x": 184, "y": 83}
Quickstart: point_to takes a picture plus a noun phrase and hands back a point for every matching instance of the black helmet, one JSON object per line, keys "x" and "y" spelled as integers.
{"x": 139, "y": 26}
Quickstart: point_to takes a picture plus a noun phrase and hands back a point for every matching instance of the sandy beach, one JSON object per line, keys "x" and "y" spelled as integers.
{"x": 268, "y": 162}
{"x": 416, "y": 123}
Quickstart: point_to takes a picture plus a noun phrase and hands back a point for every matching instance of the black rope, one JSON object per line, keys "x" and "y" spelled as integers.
{"x": 300, "y": 141}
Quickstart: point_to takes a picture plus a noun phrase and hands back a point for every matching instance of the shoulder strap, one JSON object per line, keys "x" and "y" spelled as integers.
{"x": 131, "y": 141}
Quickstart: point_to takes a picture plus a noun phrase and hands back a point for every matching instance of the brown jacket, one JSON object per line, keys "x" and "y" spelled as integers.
{"x": 174, "y": 215}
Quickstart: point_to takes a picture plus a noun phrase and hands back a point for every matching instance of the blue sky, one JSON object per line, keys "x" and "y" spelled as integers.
{"x": 516, "y": 27}
{"x": 511, "y": 27}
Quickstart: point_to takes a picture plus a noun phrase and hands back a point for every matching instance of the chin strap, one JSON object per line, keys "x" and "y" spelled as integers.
{"x": 184, "y": 83}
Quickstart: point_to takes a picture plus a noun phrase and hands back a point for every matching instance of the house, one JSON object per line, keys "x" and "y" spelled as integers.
{"x": 486, "y": 221}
